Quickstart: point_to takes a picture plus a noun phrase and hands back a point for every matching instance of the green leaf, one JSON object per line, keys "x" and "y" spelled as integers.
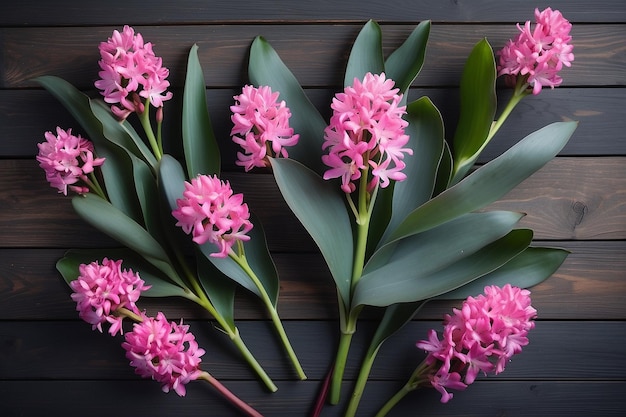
{"x": 491, "y": 181}
{"x": 366, "y": 54}
{"x": 320, "y": 207}
{"x": 405, "y": 63}
{"x": 69, "y": 264}
{"x": 532, "y": 266}
{"x": 113, "y": 222}
{"x": 259, "y": 259}
{"x": 171, "y": 180}
{"x": 219, "y": 288}
{"x": 202, "y": 154}
{"x": 425, "y": 130}
{"x": 121, "y": 133}
{"x": 444, "y": 171}
{"x": 404, "y": 277}
{"x": 478, "y": 108}
{"x": 266, "y": 68}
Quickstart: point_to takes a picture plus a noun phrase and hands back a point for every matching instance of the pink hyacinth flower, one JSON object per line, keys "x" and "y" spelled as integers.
{"x": 366, "y": 131}
{"x": 130, "y": 71}
{"x": 539, "y": 52}
{"x": 260, "y": 126}
{"x": 482, "y": 336}
{"x": 164, "y": 351}
{"x": 212, "y": 213}
{"x": 101, "y": 289}
{"x": 67, "y": 159}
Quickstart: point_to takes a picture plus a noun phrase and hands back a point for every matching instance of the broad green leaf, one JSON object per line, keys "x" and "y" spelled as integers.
{"x": 395, "y": 317}
{"x": 259, "y": 259}
{"x": 266, "y": 68}
{"x": 425, "y": 130}
{"x": 113, "y": 222}
{"x": 405, "y": 63}
{"x": 69, "y": 264}
{"x": 322, "y": 211}
{"x": 478, "y": 108}
{"x": 219, "y": 288}
{"x": 444, "y": 171}
{"x": 122, "y": 134}
{"x": 532, "y": 266}
{"x": 491, "y": 181}
{"x": 366, "y": 54}
{"x": 399, "y": 278}
{"x": 202, "y": 154}
{"x": 171, "y": 180}
{"x": 148, "y": 196}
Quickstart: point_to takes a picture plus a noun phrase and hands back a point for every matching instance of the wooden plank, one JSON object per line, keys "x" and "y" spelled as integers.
{"x": 524, "y": 398}
{"x": 74, "y": 12}
{"x": 589, "y": 285}
{"x": 84, "y": 354}
{"x": 598, "y": 110}
{"x": 580, "y": 198}
{"x": 316, "y": 54}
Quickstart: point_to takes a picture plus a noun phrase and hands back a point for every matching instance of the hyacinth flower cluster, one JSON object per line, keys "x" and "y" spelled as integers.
{"x": 211, "y": 212}
{"x": 132, "y": 78}
{"x": 260, "y": 126}
{"x": 69, "y": 162}
{"x": 538, "y": 53}
{"x": 104, "y": 292}
{"x": 480, "y": 337}
{"x": 158, "y": 349}
{"x": 366, "y": 134}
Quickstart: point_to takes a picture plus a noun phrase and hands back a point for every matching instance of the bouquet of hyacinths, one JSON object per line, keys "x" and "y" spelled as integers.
{"x": 392, "y": 205}
{"x": 129, "y": 188}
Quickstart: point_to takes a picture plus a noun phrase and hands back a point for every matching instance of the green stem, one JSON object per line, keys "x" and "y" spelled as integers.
{"x": 232, "y": 332}
{"x": 243, "y": 263}
{"x": 340, "y": 366}
{"x": 144, "y": 118}
{"x": 521, "y": 91}
{"x": 393, "y": 401}
{"x": 94, "y": 185}
{"x": 365, "y": 202}
{"x": 236, "y": 401}
{"x": 364, "y": 373}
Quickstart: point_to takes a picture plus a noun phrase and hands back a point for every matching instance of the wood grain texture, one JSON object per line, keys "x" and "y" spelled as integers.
{"x": 76, "y": 12}
{"x": 52, "y": 361}
{"x": 312, "y": 52}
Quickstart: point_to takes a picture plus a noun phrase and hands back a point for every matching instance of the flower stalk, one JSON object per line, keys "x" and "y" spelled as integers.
{"x": 242, "y": 261}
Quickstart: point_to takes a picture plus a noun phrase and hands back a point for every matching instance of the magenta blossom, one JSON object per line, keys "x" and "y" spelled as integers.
{"x": 480, "y": 337}
{"x": 212, "y": 213}
{"x": 67, "y": 160}
{"x": 261, "y": 126}
{"x": 366, "y": 131}
{"x": 130, "y": 71}
{"x": 538, "y": 53}
{"x": 102, "y": 289}
{"x": 164, "y": 351}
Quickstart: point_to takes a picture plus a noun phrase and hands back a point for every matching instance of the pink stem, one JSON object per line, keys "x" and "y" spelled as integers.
{"x": 242, "y": 405}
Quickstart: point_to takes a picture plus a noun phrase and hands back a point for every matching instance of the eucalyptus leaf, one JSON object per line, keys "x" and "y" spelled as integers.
{"x": 396, "y": 279}
{"x": 405, "y": 63}
{"x": 491, "y": 181}
{"x": 531, "y": 267}
{"x": 69, "y": 264}
{"x": 425, "y": 131}
{"x": 202, "y": 154}
{"x": 366, "y": 54}
{"x": 266, "y": 68}
{"x": 321, "y": 209}
{"x": 477, "y": 110}
{"x": 113, "y": 222}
